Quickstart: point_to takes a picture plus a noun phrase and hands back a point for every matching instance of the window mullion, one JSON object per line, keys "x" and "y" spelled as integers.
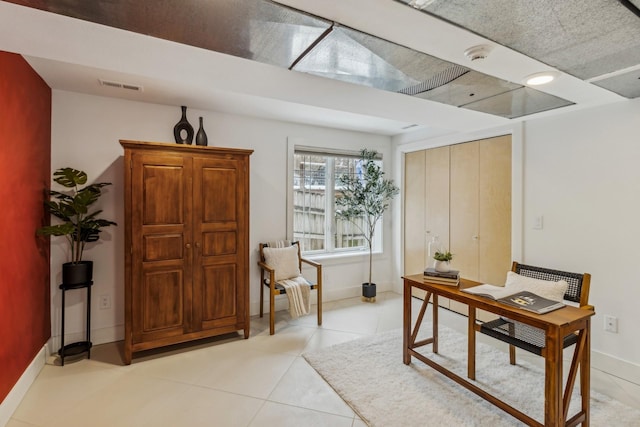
{"x": 330, "y": 194}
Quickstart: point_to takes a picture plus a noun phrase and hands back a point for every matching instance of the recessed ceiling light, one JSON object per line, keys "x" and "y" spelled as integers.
{"x": 540, "y": 78}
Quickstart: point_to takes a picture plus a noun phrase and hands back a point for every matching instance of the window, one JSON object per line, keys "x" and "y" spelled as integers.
{"x": 315, "y": 188}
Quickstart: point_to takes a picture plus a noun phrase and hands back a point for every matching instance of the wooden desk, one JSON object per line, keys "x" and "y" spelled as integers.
{"x": 556, "y": 324}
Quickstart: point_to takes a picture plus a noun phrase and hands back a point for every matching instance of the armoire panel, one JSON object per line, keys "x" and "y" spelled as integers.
{"x": 219, "y": 243}
{"x": 162, "y": 298}
{"x": 220, "y": 184}
{"x": 219, "y": 299}
{"x": 162, "y": 247}
{"x": 163, "y": 194}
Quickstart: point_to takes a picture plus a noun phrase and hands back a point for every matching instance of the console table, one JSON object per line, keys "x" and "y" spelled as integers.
{"x": 556, "y": 324}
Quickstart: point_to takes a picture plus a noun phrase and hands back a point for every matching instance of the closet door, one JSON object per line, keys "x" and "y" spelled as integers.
{"x": 426, "y": 209}
{"x": 414, "y": 213}
{"x": 437, "y": 196}
{"x": 494, "y": 244}
{"x": 464, "y": 205}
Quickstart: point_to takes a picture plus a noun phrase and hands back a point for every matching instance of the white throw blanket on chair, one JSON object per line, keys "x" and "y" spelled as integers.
{"x": 298, "y": 291}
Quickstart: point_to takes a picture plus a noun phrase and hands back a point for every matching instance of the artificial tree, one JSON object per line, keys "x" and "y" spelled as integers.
{"x": 362, "y": 199}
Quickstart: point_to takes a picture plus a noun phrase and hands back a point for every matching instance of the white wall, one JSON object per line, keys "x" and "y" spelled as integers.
{"x": 582, "y": 176}
{"x": 85, "y": 134}
{"x": 580, "y": 172}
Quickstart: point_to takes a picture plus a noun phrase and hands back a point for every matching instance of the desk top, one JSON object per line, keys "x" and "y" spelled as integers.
{"x": 561, "y": 317}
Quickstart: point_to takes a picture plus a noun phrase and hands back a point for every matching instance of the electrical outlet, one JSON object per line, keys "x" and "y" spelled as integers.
{"x": 105, "y": 302}
{"x": 611, "y": 324}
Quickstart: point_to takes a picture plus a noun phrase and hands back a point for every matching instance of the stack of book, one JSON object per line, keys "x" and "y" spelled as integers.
{"x": 451, "y": 277}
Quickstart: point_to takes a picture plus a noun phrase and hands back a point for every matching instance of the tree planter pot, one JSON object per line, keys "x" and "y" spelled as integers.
{"x": 369, "y": 290}
{"x": 74, "y": 274}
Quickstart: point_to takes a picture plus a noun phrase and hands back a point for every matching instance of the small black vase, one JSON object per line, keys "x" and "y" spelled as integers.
{"x": 201, "y": 136}
{"x": 183, "y": 125}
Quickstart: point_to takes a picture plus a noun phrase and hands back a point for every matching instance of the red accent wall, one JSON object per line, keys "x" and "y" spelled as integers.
{"x": 25, "y": 166}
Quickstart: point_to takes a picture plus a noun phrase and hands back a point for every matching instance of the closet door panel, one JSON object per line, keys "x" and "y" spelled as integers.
{"x": 464, "y": 205}
{"x": 495, "y": 209}
{"x": 414, "y": 213}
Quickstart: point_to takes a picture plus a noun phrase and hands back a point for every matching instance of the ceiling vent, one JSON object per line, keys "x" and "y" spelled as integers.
{"x": 119, "y": 85}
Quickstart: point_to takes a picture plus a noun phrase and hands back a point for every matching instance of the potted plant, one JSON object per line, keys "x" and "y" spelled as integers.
{"x": 442, "y": 260}
{"x": 78, "y": 225}
{"x": 362, "y": 199}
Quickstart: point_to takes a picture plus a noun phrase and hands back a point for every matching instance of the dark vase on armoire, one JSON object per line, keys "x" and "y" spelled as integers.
{"x": 183, "y": 125}
{"x": 201, "y": 136}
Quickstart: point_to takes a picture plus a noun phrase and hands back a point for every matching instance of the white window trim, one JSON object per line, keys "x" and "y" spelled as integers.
{"x": 299, "y": 143}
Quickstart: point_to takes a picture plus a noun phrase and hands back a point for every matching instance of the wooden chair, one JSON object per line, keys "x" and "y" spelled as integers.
{"x": 276, "y": 288}
{"x": 527, "y": 337}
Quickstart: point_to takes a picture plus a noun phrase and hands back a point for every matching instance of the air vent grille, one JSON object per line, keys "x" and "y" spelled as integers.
{"x": 119, "y": 85}
{"x": 440, "y": 79}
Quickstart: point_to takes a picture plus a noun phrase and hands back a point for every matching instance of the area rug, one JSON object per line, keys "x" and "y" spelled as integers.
{"x": 369, "y": 375}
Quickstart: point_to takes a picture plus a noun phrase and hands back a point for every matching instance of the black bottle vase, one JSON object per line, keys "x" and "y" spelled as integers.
{"x": 201, "y": 136}
{"x": 183, "y": 125}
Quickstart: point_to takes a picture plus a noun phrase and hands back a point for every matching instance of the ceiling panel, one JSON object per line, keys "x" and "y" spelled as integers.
{"x": 626, "y": 84}
{"x": 264, "y": 31}
{"x": 518, "y": 102}
{"x": 583, "y": 38}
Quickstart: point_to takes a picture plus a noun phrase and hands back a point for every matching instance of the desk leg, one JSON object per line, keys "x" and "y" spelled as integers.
{"x": 585, "y": 373}
{"x": 471, "y": 344}
{"x": 554, "y": 409}
{"x": 434, "y": 308}
{"x": 406, "y": 323}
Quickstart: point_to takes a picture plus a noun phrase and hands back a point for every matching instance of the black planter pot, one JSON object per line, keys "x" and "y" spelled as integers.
{"x": 74, "y": 274}
{"x": 369, "y": 290}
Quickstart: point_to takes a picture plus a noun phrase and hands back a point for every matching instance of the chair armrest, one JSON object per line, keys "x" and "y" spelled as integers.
{"x": 311, "y": 263}
{"x": 265, "y": 266}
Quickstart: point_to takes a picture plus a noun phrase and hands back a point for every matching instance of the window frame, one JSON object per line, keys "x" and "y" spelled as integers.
{"x": 330, "y": 251}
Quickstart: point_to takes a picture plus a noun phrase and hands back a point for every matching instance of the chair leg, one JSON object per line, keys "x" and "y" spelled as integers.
{"x": 319, "y": 305}
{"x": 261, "y": 297}
{"x": 512, "y": 348}
{"x": 272, "y": 314}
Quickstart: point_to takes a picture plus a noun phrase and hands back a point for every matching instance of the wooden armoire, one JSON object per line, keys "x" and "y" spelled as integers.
{"x": 186, "y": 243}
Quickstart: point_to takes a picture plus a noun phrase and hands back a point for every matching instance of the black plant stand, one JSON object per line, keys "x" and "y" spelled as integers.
{"x": 81, "y": 346}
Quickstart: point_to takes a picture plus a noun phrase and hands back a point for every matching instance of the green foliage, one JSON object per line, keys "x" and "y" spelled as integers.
{"x": 443, "y": 256}
{"x": 366, "y": 197}
{"x": 72, "y": 208}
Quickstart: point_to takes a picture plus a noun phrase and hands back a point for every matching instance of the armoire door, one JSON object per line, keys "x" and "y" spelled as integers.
{"x": 161, "y": 252}
{"x": 219, "y": 217}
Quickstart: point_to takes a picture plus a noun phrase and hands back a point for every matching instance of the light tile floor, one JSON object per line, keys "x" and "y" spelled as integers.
{"x": 229, "y": 381}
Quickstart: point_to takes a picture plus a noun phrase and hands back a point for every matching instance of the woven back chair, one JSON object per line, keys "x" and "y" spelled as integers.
{"x": 268, "y": 275}
{"x": 527, "y": 337}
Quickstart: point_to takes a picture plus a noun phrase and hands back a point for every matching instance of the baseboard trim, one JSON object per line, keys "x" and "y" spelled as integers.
{"x": 19, "y": 390}
{"x": 282, "y": 302}
{"x": 617, "y": 367}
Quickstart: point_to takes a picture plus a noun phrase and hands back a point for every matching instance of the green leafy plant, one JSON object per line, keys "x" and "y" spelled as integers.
{"x": 443, "y": 256}
{"x": 78, "y": 226}
{"x": 363, "y": 199}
